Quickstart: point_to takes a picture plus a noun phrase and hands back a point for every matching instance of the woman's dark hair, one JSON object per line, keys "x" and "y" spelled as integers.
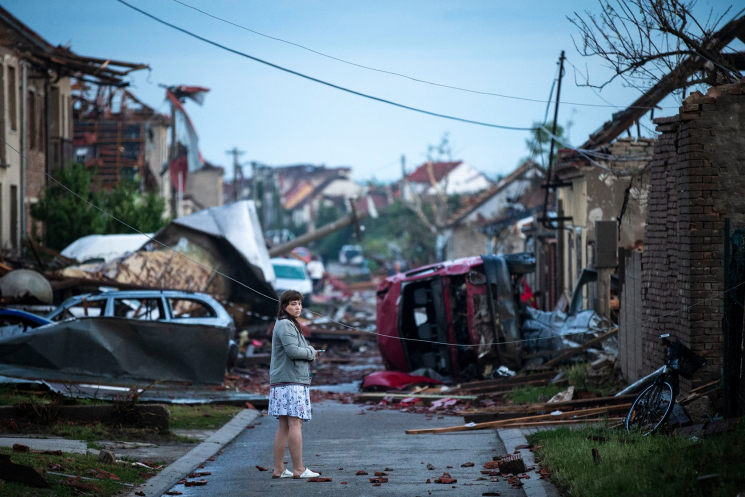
{"x": 284, "y": 301}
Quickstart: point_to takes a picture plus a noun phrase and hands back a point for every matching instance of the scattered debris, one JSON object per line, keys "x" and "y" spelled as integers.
{"x": 446, "y": 479}
{"x": 320, "y": 480}
{"x": 19, "y": 473}
{"x": 262, "y": 468}
{"x": 107, "y": 456}
{"x": 512, "y": 464}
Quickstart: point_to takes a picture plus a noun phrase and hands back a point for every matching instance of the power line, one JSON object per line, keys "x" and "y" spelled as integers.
{"x": 384, "y": 71}
{"x": 320, "y": 81}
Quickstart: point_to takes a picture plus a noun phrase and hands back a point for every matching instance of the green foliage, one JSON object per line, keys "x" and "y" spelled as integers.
{"x": 539, "y": 143}
{"x": 67, "y": 216}
{"x": 531, "y": 394}
{"x": 632, "y": 464}
{"x": 399, "y": 226}
{"x": 143, "y": 211}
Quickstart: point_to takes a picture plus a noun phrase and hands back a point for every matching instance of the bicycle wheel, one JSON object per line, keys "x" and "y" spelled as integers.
{"x": 651, "y": 408}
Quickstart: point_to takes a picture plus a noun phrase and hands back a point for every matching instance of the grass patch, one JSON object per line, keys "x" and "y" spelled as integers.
{"x": 72, "y": 464}
{"x": 530, "y": 394}
{"x": 197, "y": 417}
{"x": 606, "y": 384}
{"x": 201, "y": 417}
{"x": 659, "y": 465}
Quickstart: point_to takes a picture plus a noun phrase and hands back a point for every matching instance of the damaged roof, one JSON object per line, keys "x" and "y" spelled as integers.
{"x": 38, "y": 51}
{"x": 478, "y": 200}
{"x": 439, "y": 171}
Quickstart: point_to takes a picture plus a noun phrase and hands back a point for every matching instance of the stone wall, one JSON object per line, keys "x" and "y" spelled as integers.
{"x": 697, "y": 180}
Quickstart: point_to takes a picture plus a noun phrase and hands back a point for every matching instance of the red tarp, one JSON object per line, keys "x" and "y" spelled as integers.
{"x": 395, "y": 380}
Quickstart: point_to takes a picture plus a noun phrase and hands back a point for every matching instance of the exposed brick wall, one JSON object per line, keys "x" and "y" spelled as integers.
{"x": 697, "y": 180}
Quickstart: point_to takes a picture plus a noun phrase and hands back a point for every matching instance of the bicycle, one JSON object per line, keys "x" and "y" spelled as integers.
{"x": 653, "y": 406}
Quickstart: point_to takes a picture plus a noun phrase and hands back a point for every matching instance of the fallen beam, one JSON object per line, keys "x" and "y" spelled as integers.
{"x": 562, "y": 422}
{"x": 529, "y": 419}
{"x": 567, "y": 355}
{"x": 538, "y": 407}
{"x": 376, "y": 396}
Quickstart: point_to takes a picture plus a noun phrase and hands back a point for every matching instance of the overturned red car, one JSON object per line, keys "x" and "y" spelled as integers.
{"x": 448, "y": 317}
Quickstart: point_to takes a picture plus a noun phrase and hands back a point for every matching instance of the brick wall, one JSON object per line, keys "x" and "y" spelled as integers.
{"x": 697, "y": 180}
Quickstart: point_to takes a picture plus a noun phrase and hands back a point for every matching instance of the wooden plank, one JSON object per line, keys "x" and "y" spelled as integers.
{"x": 528, "y": 419}
{"x": 501, "y": 388}
{"x": 563, "y": 422}
{"x": 538, "y": 407}
{"x": 563, "y": 357}
{"x": 376, "y": 396}
{"x": 512, "y": 380}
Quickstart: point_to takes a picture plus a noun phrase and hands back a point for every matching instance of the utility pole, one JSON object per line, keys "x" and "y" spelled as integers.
{"x": 550, "y": 185}
{"x": 237, "y": 172}
{"x": 172, "y": 154}
{"x": 403, "y": 177}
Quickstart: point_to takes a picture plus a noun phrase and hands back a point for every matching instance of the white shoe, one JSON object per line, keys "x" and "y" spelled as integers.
{"x": 308, "y": 474}
{"x": 285, "y": 474}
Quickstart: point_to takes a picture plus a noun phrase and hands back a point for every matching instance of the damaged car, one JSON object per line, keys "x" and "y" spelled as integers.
{"x": 171, "y": 306}
{"x": 472, "y": 302}
{"x": 482, "y": 305}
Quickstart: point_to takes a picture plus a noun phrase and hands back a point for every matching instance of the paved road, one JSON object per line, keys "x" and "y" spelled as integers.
{"x": 339, "y": 437}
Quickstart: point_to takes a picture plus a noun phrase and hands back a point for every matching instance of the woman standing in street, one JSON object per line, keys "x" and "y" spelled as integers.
{"x": 289, "y": 377}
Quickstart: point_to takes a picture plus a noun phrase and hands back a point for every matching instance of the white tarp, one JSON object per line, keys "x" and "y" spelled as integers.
{"x": 238, "y": 223}
{"x": 106, "y": 247}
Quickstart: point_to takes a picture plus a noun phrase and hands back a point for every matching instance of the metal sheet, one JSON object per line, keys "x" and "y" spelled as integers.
{"x": 116, "y": 348}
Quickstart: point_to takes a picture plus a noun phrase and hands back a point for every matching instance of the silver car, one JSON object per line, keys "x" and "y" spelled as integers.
{"x": 151, "y": 305}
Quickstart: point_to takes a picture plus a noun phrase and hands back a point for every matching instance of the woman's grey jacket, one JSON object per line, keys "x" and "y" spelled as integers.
{"x": 291, "y": 355}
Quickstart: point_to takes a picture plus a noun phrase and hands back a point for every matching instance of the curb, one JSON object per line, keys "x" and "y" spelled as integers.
{"x": 511, "y": 438}
{"x": 163, "y": 481}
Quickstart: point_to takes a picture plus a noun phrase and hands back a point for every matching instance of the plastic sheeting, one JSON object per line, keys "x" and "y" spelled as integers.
{"x": 555, "y": 330}
{"x": 107, "y": 349}
{"x": 104, "y": 247}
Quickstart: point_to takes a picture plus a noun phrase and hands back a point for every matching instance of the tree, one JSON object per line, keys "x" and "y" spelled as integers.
{"x": 143, "y": 211}
{"x": 64, "y": 211}
{"x": 434, "y": 209}
{"x": 399, "y": 233}
{"x": 68, "y": 214}
{"x": 644, "y": 40}
{"x": 539, "y": 143}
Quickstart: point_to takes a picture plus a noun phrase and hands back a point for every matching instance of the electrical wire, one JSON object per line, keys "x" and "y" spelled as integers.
{"x": 320, "y": 81}
{"x": 392, "y": 73}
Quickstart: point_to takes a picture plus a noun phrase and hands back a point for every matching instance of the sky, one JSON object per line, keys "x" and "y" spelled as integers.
{"x": 278, "y": 119}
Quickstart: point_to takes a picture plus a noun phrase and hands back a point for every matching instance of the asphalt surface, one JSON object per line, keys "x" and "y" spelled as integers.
{"x": 339, "y": 437}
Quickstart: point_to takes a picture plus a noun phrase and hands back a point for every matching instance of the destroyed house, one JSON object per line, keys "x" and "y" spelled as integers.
{"x": 36, "y": 113}
{"x": 463, "y": 236}
{"x": 121, "y": 137}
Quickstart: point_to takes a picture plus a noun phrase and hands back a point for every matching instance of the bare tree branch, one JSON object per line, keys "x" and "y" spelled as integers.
{"x": 642, "y": 40}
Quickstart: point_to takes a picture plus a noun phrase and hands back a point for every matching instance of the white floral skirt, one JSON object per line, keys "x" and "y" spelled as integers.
{"x": 290, "y": 400}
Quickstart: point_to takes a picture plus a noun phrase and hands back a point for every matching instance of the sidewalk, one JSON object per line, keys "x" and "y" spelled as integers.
{"x": 514, "y": 437}
{"x": 339, "y": 442}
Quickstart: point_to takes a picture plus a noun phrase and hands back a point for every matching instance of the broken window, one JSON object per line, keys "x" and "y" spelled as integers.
{"x": 84, "y": 308}
{"x": 147, "y": 309}
{"x": 423, "y": 317}
{"x": 188, "y": 308}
